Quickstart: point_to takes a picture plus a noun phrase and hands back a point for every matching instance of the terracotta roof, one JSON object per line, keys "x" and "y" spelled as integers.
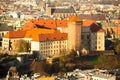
{"x": 28, "y": 26}
{"x": 74, "y": 19}
{"x": 101, "y": 30}
{"x": 61, "y": 23}
{"x": 15, "y": 34}
{"x": 1, "y": 10}
{"x": 44, "y": 23}
{"x": 88, "y": 23}
{"x": 49, "y": 23}
{"x": 34, "y": 33}
{"x": 57, "y": 35}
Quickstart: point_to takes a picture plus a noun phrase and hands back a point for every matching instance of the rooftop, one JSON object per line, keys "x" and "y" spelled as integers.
{"x": 51, "y": 37}
{"x": 15, "y": 34}
{"x": 63, "y": 10}
{"x": 74, "y": 19}
{"x": 108, "y": 24}
{"x": 88, "y": 23}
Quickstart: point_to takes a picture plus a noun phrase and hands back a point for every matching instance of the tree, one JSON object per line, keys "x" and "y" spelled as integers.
{"x": 108, "y": 62}
{"x": 117, "y": 48}
{"x": 22, "y": 46}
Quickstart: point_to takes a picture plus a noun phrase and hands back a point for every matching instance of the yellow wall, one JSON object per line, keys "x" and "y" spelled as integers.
{"x": 74, "y": 36}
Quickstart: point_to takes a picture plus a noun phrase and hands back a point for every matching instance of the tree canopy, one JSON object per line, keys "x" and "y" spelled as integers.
{"x": 22, "y": 46}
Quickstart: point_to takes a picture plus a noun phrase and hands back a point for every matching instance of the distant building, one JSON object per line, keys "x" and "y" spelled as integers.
{"x": 96, "y": 17}
{"x": 60, "y": 12}
{"x": 93, "y": 74}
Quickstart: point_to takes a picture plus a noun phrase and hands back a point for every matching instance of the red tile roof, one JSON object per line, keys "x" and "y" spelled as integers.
{"x": 74, "y": 19}
{"x": 101, "y": 30}
{"x": 28, "y": 26}
{"x": 45, "y": 23}
{"x": 15, "y": 34}
{"x": 51, "y": 37}
{"x": 61, "y": 23}
{"x": 88, "y": 23}
{"x": 1, "y": 11}
{"x": 49, "y": 23}
{"x": 34, "y": 33}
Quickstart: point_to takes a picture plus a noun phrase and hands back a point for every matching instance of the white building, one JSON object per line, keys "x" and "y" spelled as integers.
{"x": 94, "y": 74}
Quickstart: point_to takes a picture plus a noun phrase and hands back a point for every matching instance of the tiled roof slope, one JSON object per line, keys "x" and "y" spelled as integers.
{"x": 28, "y": 26}
{"x": 15, "y": 34}
{"x": 61, "y": 23}
{"x": 87, "y": 23}
{"x": 101, "y": 30}
{"x": 93, "y": 16}
{"x": 63, "y": 10}
{"x": 49, "y": 23}
{"x": 52, "y": 37}
{"x": 44, "y": 23}
{"x": 36, "y": 31}
{"x": 37, "y": 34}
{"x": 74, "y": 19}
{"x": 94, "y": 27}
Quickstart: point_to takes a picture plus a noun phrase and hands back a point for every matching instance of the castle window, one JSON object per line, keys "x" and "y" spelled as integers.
{"x": 88, "y": 36}
{"x": 99, "y": 42}
{"x": 99, "y": 47}
{"x": 82, "y": 36}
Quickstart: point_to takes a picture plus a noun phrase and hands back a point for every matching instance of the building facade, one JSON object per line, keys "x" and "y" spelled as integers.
{"x": 60, "y": 12}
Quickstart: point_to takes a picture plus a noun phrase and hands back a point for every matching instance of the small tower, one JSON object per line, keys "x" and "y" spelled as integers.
{"x": 74, "y": 33}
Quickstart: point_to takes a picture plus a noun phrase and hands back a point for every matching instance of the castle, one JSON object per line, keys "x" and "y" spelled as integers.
{"x": 51, "y": 37}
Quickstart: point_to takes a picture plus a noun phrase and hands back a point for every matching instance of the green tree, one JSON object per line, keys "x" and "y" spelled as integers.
{"x": 22, "y": 46}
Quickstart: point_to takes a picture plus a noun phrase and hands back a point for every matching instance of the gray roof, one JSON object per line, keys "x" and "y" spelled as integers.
{"x": 4, "y": 27}
{"x": 93, "y": 16}
{"x": 63, "y": 10}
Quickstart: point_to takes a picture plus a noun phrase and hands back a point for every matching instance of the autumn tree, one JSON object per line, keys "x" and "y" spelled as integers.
{"x": 108, "y": 62}
{"x": 117, "y": 49}
{"x": 117, "y": 46}
{"x": 22, "y": 46}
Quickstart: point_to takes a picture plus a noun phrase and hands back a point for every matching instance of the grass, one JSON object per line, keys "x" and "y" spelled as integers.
{"x": 91, "y": 60}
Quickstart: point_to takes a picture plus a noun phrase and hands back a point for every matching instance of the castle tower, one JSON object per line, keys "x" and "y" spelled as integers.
{"x": 48, "y": 9}
{"x": 74, "y": 33}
